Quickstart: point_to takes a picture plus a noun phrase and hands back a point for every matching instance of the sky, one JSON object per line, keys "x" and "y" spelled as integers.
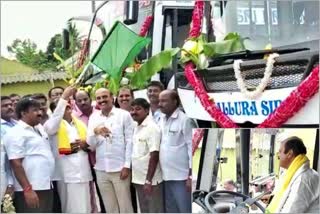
{"x": 37, "y": 20}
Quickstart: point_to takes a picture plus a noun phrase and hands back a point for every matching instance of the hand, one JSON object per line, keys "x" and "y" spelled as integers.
{"x": 147, "y": 189}
{"x": 102, "y": 130}
{"x": 75, "y": 147}
{"x": 83, "y": 145}
{"x": 68, "y": 92}
{"x": 189, "y": 185}
{"x": 32, "y": 199}
{"x": 124, "y": 173}
{"x": 10, "y": 191}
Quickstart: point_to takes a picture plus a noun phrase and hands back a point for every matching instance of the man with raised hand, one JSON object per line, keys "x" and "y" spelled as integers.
{"x": 82, "y": 110}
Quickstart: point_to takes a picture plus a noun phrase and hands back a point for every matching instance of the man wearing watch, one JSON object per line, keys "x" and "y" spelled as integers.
{"x": 175, "y": 153}
{"x": 31, "y": 159}
{"x": 7, "y": 122}
{"x": 146, "y": 173}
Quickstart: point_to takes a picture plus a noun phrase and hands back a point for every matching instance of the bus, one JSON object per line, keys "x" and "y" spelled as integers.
{"x": 291, "y": 28}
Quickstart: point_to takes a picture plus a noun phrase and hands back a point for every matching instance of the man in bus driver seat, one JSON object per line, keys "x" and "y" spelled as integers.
{"x": 298, "y": 189}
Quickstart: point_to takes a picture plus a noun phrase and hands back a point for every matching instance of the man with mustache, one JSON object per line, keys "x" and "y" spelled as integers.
{"x": 7, "y": 122}
{"x": 82, "y": 110}
{"x": 298, "y": 190}
{"x": 31, "y": 159}
{"x": 153, "y": 90}
{"x": 175, "y": 153}
{"x": 42, "y": 99}
{"x": 110, "y": 133}
{"x": 146, "y": 173}
{"x": 125, "y": 98}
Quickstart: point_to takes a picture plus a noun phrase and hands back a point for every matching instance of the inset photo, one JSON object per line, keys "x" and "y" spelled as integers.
{"x": 255, "y": 170}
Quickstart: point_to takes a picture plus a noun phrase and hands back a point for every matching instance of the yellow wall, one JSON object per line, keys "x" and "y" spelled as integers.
{"x": 23, "y": 88}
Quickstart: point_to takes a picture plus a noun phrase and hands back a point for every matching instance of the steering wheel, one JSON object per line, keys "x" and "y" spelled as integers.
{"x": 246, "y": 200}
{"x": 198, "y": 197}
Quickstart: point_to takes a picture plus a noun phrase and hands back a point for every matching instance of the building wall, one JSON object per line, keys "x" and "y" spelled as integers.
{"x": 23, "y": 88}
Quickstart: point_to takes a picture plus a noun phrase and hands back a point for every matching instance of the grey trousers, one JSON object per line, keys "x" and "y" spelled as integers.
{"x": 45, "y": 199}
{"x": 150, "y": 203}
{"x": 177, "y": 198}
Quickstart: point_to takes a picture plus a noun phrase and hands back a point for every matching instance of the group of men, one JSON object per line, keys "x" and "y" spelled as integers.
{"x": 68, "y": 157}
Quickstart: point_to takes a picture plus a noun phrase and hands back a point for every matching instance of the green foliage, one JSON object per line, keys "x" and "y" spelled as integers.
{"x": 70, "y": 69}
{"x": 26, "y": 51}
{"x": 233, "y": 42}
{"x": 153, "y": 65}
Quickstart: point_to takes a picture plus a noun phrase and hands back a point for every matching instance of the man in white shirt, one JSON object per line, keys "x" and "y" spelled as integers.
{"x": 153, "y": 90}
{"x": 7, "y": 122}
{"x": 175, "y": 153}
{"x": 31, "y": 159}
{"x": 72, "y": 160}
{"x": 110, "y": 134}
{"x": 146, "y": 173}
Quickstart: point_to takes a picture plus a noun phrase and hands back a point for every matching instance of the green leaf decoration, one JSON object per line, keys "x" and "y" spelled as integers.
{"x": 152, "y": 66}
{"x": 114, "y": 85}
{"x": 232, "y": 43}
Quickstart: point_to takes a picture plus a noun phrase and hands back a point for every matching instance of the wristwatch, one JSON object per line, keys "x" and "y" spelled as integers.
{"x": 148, "y": 182}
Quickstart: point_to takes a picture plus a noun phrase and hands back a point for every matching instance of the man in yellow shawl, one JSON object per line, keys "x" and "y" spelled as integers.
{"x": 67, "y": 135}
{"x": 298, "y": 190}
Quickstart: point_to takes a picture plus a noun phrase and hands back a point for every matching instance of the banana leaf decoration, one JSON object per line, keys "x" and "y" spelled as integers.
{"x": 70, "y": 69}
{"x": 156, "y": 63}
{"x": 233, "y": 42}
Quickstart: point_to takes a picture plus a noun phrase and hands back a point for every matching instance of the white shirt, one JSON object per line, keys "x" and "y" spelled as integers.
{"x": 146, "y": 139}
{"x": 176, "y": 146}
{"x": 302, "y": 194}
{"x": 112, "y": 153}
{"x": 156, "y": 115}
{"x": 22, "y": 141}
{"x": 73, "y": 168}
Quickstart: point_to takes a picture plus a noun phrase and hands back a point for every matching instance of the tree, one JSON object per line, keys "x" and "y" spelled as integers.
{"x": 26, "y": 51}
{"x": 55, "y": 44}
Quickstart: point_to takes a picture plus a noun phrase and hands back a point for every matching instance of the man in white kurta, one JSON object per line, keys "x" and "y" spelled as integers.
{"x": 302, "y": 193}
{"x": 73, "y": 169}
{"x": 110, "y": 135}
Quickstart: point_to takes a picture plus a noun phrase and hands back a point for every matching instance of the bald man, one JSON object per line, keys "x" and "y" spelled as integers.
{"x": 175, "y": 153}
{"x": 110, "y": 132}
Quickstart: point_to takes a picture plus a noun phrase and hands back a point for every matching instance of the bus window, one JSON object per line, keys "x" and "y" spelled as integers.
{"x": 281, "y": 23}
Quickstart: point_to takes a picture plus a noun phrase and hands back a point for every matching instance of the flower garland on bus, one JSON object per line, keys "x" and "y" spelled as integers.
{"x": 196, "y": 139}
{"x": 264, "y": 82}
{"x": 289, "y": 107}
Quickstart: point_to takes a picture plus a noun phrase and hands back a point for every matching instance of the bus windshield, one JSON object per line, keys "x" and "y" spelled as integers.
{"x": 280, "y": 23}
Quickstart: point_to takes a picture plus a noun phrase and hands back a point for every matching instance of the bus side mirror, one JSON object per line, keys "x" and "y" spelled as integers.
{"x": 132, "y": 12}
{"x": 65, "y": 39}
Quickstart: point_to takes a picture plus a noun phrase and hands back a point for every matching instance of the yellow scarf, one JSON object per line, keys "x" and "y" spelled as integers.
{"x": 293, "y": 168}
{"x": 63, "y": 137}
